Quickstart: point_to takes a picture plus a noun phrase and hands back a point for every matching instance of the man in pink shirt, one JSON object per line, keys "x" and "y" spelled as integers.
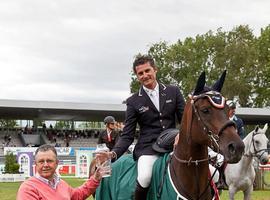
{"x": 47, "y": 185}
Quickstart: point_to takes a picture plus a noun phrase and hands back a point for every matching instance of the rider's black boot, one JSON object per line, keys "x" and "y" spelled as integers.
{"x": 140, "y": 192}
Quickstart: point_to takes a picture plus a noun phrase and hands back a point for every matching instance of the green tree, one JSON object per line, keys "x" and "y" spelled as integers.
{"x": 11, "y": 165}
{"x": 8, "y": 123}
{"x": 236, "y": 51}
{"x": 262, "y": 89}
{"x": 63, "y": 125}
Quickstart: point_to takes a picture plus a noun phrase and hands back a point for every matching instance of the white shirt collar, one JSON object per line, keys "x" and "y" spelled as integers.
{"x": 149, "y": 91}
{"x": 53, "y": 184}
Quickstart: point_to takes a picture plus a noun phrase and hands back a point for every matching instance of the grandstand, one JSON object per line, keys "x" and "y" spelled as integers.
{"x": 68, "y": 141}
{"x": 11, "y": 138}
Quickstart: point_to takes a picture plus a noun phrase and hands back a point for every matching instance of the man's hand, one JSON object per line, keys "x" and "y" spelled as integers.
{"x": 100, "y": 172}
{"x": 102, "y": 156}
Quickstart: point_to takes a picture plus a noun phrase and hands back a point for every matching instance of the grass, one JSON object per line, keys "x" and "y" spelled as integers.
{"x": 8, "y": 191}
{"x": 256, "y": 195}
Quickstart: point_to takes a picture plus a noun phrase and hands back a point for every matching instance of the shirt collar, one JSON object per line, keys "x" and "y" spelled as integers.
{"x": 149, "y": 91}
{"x": 53, "y": 184}
{"x": 232, "y": 118}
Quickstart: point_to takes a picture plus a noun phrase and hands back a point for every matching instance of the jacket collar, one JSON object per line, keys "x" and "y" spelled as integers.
{"x": 162, "y": 88}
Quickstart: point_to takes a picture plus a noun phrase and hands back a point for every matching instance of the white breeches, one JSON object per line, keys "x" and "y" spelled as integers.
{"x": 145, "y": 167}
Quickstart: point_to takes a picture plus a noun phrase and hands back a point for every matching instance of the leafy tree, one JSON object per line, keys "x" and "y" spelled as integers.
{"x": 8, "y": 123}
{"x": 237, "y": 51}
{"x": 262, "y": 90}
{"x": 91, "y": 125}
{"x": 63, "y": 125}
{"x": 11, "y": 165}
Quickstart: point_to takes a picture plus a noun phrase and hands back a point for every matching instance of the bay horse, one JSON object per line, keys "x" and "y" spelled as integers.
{"x": 240, "y": 176}
{"x": 204, "y": 123}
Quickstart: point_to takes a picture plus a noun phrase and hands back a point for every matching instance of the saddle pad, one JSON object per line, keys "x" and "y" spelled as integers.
{"x": 167, "y": 192}
{"x": 121, "y": 184}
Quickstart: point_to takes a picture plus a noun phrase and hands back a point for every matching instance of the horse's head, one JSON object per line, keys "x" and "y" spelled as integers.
{"x": 206, "y": 122}
{"x": 256, "y": 144}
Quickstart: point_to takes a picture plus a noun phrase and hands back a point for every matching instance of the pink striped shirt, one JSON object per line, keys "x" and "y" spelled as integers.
{"x": 35, "y": 189}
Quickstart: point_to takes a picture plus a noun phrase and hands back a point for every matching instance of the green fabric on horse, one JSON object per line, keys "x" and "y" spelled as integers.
{"x": 167, "y": 191}
{"x": 121, "y": 184}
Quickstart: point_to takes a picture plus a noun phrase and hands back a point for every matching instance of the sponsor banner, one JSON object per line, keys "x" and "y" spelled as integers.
{"x": 61, "y": 151}
{"x": 87, "y": 148}
{"x": 25, "y": 160}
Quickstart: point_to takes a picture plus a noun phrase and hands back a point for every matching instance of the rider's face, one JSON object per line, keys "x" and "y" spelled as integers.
{"x": 146, "y": 74}
{"x": 231, "y": 112}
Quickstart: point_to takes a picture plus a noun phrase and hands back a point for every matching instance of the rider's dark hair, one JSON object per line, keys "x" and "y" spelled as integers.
{"x": 142, "y": 59}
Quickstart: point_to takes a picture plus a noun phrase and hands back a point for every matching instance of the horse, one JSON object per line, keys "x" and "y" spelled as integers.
{"x": 240, "y": 176}
{"x": 204, "y": 123}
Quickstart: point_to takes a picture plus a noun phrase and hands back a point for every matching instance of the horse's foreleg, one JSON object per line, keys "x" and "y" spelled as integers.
{"x": 232, "y": 191}
{"x": 247, "y": 193}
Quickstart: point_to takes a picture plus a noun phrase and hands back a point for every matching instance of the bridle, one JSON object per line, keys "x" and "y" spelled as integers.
{"x": 257, "y": 153}
{"x": 218, "y": 101}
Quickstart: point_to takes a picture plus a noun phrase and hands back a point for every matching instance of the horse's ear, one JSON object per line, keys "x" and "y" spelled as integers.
{"x": 256, "y": 129}
{"x": 265, "y": 127}
{"x": 219, "y": 83}
{"x": 200, "y": 84}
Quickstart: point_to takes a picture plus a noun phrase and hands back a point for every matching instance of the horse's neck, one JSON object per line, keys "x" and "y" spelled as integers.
{"x": 190, "y": 180}
{"x": 247, "y": 158}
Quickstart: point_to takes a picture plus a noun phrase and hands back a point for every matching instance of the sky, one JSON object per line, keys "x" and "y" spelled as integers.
{"x": 82, "y": 50}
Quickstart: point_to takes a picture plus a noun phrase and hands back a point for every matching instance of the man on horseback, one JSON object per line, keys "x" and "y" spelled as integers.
{"x": 154, "y": 108}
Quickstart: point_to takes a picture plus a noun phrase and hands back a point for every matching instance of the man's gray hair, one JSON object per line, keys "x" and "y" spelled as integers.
{"x": 44, "y": 148}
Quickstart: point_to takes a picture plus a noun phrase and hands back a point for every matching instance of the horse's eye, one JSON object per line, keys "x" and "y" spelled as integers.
{"x": 205, "y": 110}
{"x": 257, "y": 143}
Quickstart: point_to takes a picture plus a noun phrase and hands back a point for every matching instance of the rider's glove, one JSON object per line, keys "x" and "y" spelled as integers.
{"x": 220, "y": 160}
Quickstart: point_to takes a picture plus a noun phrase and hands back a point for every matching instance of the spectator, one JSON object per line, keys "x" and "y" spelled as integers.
{"x": 238, "y": 121}
{"x": 47, "y": 185}
{"x": 109, "y": 136}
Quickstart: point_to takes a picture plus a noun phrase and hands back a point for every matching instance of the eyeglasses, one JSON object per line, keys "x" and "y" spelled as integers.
{"x": 215, "y": 98}
{"x": 42, "y": 162}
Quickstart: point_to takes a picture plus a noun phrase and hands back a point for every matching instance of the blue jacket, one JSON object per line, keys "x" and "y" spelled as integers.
{"x": 140, "y": 110}
{"x": 240, "y": 126}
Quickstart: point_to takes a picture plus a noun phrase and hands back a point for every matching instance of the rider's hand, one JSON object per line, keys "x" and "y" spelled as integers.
{"x": 220, "y": 160}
